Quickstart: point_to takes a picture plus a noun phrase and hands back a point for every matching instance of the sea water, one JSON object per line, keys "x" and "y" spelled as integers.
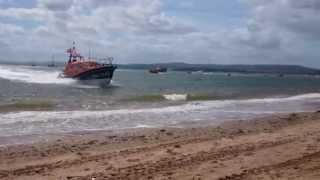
{"x": 136, "y": 98}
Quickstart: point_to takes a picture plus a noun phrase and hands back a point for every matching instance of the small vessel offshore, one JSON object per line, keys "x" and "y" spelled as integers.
{"x": 88, "y": 70}
{"x": 52, "y": 64}
{"x": 158, "y": 69}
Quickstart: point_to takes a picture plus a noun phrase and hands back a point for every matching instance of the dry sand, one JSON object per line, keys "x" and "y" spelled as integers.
{"x": 277, "y": 147}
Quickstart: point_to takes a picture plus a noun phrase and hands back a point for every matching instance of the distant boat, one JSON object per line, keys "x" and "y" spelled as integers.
{"x": 52, "y": 63}
{"x": 158, "y": 69}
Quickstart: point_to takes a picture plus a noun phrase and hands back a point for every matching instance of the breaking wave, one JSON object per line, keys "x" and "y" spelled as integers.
{"x": 176, "y": 97}
{"x": 214, "y": 111}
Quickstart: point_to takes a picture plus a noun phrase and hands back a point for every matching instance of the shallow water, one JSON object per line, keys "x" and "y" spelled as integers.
{"x": 139, "y": 99}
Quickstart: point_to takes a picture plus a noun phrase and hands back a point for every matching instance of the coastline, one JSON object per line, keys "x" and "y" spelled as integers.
{"x": 274, "y": 147}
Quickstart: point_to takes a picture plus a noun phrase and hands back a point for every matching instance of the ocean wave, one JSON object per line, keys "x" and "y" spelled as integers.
{"x": 250, "y": 105}
{"x": 215, "y": 111}
{"x": 146, "y": 98}
{"x": 287, "y": 99}
{"x": 176, "y": 97}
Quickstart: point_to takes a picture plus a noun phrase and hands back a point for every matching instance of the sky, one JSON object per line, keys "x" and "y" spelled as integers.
{"x": 153, "y": 31}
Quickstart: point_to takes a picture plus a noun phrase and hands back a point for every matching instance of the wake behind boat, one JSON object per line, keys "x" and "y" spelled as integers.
{"x": 88, "y": 71}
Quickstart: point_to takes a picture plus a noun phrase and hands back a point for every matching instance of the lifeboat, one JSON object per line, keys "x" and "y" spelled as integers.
{"x": 88, "y": 70}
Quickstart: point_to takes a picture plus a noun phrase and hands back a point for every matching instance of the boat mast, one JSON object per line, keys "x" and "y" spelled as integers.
{"x": 71, "y": 52}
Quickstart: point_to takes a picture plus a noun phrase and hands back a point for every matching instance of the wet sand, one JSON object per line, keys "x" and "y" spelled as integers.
{"x": 275, "y": 147}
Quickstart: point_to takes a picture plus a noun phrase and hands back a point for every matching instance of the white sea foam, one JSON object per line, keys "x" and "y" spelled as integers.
{"x": 215, "y": 111}
{"x": 37, "y": 75}
{"x": 176, "y": 97}
{"x": 32, "y": 75}
{"x": 221, "y": 105}
{"x": 143, "y": 126}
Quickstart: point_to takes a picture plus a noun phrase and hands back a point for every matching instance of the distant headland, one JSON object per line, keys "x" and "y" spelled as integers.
{"x": 234, "y": 68}
{"x": 185, "y": 67}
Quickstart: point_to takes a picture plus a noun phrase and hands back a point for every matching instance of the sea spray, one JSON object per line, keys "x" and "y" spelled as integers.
{"x": 32, "y": 75}
{"x": 41, "y": 75}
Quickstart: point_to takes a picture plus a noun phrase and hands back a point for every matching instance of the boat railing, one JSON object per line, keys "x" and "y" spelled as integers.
{"x": 106, "y": 60}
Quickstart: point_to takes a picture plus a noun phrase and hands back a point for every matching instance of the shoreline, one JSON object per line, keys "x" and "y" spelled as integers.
{"x": 278, "y": 146}
{"x": 48, "y": 138}
{"x": 203, "y": 113}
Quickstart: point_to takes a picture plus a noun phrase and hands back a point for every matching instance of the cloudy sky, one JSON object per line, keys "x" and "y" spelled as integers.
{"x": 148, "y": 31}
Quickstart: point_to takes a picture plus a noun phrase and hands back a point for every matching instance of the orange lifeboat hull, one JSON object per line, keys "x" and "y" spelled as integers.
{"x": 89, "y": 70}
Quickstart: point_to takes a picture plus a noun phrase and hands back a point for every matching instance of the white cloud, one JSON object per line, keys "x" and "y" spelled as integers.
{"x": 23, "y": 14}
{"x": 277, "y": 31}
{"x": 55, "y": 5}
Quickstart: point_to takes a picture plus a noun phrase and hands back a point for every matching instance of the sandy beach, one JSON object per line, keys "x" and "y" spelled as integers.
{"x": 275, "y": 147}
{"x": 159, "y": 90}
